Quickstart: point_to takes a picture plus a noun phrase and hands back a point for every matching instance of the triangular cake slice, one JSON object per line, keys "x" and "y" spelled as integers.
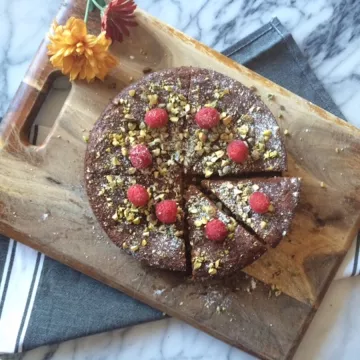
{"x": 271, "y": 224}
{"x": 136, "y": 229}
{"x": 217, "y": 259}
{"x": 244, "y": 118}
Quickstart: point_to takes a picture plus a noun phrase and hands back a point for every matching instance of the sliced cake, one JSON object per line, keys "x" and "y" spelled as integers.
{"x": 231, "y": 131}
{"x": 142, "y": 215}
{"x": 150, "y": 113}
{"x": 220, "y": 246}
{"x": 266, "y": 205}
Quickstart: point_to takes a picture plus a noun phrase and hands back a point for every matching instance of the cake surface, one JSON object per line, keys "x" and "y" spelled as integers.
{"x": 171, "y": 155}
{"x": 217, "y": 259}
{"x": 283, "y": 194}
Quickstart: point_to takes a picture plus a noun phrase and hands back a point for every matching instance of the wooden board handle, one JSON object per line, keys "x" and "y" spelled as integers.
{"x": 35, "y": 86}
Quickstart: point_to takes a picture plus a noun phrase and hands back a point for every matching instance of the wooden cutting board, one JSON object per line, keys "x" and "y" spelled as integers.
{"x": 48, "y": 179}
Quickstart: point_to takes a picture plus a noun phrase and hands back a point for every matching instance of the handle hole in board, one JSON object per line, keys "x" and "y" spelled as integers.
{"x": 49, "y": 110}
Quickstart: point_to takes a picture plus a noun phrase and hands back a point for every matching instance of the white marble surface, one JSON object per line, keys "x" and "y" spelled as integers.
{"x": 328, "y": 32}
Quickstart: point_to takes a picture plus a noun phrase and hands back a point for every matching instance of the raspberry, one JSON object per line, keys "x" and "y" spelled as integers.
{"x": 238, "y": 151}
{"x": 138, "y": 195}
{"x": 207, "y": 117}
{"x": 156, "y": 118}
{"x": 166, "y": 211}
{"x": 140, "y": 157}
{"x": 216, "y": 230}
{"x": 259, "y": 202}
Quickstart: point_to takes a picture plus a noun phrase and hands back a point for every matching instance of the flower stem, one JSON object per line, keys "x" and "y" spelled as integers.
{"x": 87, "y": 11}
{"x": 97, "y": 5}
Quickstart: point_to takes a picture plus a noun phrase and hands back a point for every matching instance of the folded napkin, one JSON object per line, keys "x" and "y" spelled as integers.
{"x": 44, "y": 302}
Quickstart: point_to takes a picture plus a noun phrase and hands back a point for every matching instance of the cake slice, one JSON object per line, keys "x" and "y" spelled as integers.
{"x": 242, "y": 117}
{"x": 122, "y": 125}
{"x": 217, "y": 258}
{"x": 136, "y": 229}
{"x": 265, "y": 205}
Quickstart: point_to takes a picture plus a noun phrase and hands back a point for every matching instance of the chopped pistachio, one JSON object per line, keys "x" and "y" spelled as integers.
{"x": 227, "y": 120}
{"x": 243, "y": 130}
{"x": 153, "y": 99}
{"x": 286, "y": 132}
{"x": 202, "y": 136}
{"x": 247, "y": 118}
{"x": 271, "y": 96}
{"x": 86, "y": 138}
{"x": 220, "y": 153}
{"x": 125, "y": 245}
{"x": 129, "y": 117}
{"x": 271, "y": 208}
{"x": 267, "y": 132}
{"x": 132, "y": 171}
{"x": 137, "y": 221}
{"x": 208, "y": 172}
{"x": 115, "y": 161}
{"x": 115, "y": 216}
{"x": 263, "y": 224}
{"x": 255, "y": 187}
{"x": 212, "y": 271}
{"x": 143, "y": 242}
{"x": 282, "y": 107}
{"x": 174, "y": 119}
{"x": 197, "y": 265}
{"x": 198, "y": 223}
{"x": 217, "y": 263}
{"x": 273, "y": 154}
{"x": 134, "y": 247}
{"x": 132, "y": 92}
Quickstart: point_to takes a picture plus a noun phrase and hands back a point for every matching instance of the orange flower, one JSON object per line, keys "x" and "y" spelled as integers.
{"x": 78, "y": 54}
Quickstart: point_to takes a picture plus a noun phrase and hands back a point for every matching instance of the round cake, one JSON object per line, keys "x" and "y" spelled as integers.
{"x": 164, "y": 134}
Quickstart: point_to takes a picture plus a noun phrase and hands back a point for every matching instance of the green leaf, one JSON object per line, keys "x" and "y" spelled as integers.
{"x": 91, "y": 6}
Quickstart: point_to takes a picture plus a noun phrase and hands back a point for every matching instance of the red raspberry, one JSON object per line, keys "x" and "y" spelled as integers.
{"x": 138, "y": 195}
{"x": 259, "y": 202}
{"x": 140, "y": 156}
{"x": 216, "y": 230}
{"x": 156, "y": 118}
{"x": 238, "y": 151}
{"x": 166, "y": 211}
{"x": 207, "y": 117}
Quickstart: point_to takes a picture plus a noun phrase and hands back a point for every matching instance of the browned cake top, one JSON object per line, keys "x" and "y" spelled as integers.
{"x": 283, "y": 193}
{"x": 217, "y": 259}
{"x": 178, "y": 149}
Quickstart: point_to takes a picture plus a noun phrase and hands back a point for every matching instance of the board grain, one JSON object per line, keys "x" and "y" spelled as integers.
{"x": 48, "y": 179}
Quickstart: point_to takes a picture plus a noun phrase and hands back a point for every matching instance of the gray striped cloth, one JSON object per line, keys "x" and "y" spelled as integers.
{"x": 44, "y": 302}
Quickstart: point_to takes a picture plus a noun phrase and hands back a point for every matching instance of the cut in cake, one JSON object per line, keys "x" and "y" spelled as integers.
{"x": 265, "y": 205}
{"x": 217, "y": 257}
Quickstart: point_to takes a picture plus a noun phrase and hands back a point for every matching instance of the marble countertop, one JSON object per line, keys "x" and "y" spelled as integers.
{"x": 328, "y": 32}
